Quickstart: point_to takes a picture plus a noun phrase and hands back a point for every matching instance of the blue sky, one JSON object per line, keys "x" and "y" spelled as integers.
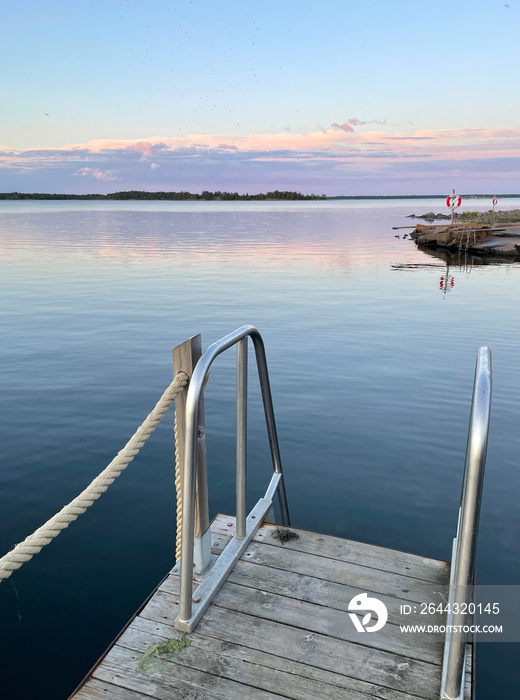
{"x": 335, "y": 97}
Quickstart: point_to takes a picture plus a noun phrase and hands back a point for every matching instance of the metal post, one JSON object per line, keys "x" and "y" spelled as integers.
{"x": 466, "y": 541}
{"x": 188, "y": 502}
{"x": 241, "y": 437}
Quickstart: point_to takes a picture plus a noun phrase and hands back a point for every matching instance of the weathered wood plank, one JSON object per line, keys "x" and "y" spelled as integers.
{"x": 329, "y": 594}
{"x": 240, "y": 664}
{"x": 370, "y": 580}
{"x": 357, "y": 661}
{"x": 329, "y": 653}
{"x": 348, "y": 551}
{"x": 304, "y": 680}
{"x": 315, "y": 618}
{"x": 468, "y": 669}
{"x": 119, "y": 668}
{"x": 96, "y": 689}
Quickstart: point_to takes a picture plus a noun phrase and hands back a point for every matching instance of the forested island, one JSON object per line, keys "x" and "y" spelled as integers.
{"x": 227, "y": 196}
{"x": 168, "y": 196}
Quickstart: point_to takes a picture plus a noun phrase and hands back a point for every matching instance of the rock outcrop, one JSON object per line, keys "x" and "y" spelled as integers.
{"x": 430, "y": 216}
{"x": 484, "y": 240}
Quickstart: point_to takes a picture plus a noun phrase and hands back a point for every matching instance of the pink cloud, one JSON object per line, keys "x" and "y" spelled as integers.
{"x": 143, "y": 147}
{"x": 343, "y": 127}
{"x": 359, "y": 122}
{"x": 96, "y": 173}
{"x": 341, "y": 139}
{"x": 101, "y": 159}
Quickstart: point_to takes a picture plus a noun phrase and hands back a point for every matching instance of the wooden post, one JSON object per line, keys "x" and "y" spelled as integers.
{"x": 185, "y": 357}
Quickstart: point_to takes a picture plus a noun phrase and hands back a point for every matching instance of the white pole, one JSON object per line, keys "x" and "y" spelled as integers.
{"x": 452, "y": 208}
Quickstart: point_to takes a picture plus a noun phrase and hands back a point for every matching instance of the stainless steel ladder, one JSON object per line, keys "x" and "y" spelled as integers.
{"x": 190, "y": 610}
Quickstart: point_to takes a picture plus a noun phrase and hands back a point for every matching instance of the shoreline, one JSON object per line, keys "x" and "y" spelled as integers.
{"x": 218, "y": 196}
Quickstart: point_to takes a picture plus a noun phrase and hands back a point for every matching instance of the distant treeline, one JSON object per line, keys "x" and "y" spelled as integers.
{"x": 169, "y": 196}
{"x": 208, "y": 196}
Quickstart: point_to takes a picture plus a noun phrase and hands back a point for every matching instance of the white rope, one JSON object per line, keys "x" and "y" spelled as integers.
{"x": 178, "y": 490}
{"x": 46, "y": 533}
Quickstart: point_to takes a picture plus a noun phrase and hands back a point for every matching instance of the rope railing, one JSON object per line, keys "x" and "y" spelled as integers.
{"x": 24, "y": 551}
{"x": 178, "y": 492}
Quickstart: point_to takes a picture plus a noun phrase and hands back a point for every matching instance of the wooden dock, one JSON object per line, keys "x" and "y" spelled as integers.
{"x": 279, "y": 628}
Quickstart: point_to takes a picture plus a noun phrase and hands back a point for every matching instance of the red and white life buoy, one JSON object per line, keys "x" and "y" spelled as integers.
{"x": 453, "y": 201}
{"x": 495, "y": 202}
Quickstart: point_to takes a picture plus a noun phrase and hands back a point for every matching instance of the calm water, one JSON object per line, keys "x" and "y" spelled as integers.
{"x": 371, "y": 363}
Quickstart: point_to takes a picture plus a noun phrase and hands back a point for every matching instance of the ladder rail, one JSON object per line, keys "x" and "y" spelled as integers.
{"x": 465, "y": 543}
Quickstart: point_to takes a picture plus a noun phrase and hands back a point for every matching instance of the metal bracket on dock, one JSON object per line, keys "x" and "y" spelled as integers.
{"x": 221, "y": 569}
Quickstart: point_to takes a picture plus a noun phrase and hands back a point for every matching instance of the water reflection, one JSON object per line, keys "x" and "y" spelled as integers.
{"x": 325, "y": 239}
{"x": 454, "y": 264}
{"x": 463, "y": 259}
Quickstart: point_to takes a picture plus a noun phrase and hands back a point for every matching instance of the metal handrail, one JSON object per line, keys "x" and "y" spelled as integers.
{"x": 186, "y": 620}
{"x": 465, "y": 543}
